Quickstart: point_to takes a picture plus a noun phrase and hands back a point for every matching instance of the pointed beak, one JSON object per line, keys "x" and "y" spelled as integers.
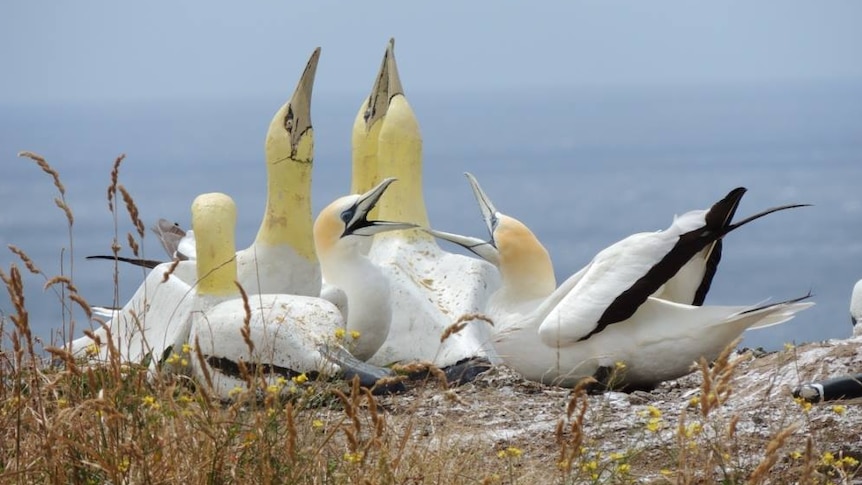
{"x": 297, "y": 115}
{"x": 484, "y": 249}
{"x": 359, "y": 225}
{"x": 489, "y": 212}
{"x": 386, "y": 86}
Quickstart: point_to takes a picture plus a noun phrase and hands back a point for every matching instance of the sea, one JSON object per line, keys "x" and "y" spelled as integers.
{"x": 582, "y": 167}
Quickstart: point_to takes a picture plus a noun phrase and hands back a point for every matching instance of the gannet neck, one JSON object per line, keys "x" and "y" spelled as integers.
{"x": 364, "y": 151}
{"x": 214, "y": 223}
{"x": 368, "y": 122}
{"x": 399, "y": 155}
{"x": 367, "y": 292}
{"x": 289, "y": 152}
{"x": 525, "y": 265}
{"x": 338, "y": 232}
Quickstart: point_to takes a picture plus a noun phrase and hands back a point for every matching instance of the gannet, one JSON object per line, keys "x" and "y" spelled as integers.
{"x": 289, "y": 333}
{"x": 282, "y": 258}
{"x": 856, "y": 308}
{"x": 154, "y": 322}
{"x": 606, "y": 316}
{"x": 430, "y": 288}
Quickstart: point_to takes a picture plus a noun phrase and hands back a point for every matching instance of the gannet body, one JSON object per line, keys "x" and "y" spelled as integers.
{"x": 856, "y": 308}
{"x": 430, "y": 288}
{"x": 607, "y": 313}
{"x": 155, "y": 320}
{"x": 290, "y": 334}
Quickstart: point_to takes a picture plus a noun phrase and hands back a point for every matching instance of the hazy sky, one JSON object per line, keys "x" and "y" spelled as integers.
{"x": 111, "y": 50}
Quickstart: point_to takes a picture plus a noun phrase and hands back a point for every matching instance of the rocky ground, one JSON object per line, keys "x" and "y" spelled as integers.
{"x": 503, "y": 412}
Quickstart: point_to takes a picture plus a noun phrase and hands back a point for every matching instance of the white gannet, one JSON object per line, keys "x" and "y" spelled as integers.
{"x": 289, "y": 333}
{"x": 431, "y": 288}
{"x": 856, "y": 308}
{"x": 282, "y": 258}
{"x": 153, "y": 323}
{"x": 606, "y": 313}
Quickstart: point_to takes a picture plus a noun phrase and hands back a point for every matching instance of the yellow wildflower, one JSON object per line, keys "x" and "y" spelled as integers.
{"x": 355, "y": 457}
{"x": 616, "y": 456}
{"x": 354, "y": 334}
{"x": 694, "y": 401}
{"x": 317, "y": 424}
{"x": 693, "y": 429}
{"x": 828, "y": 458}
{"x": 300, "y": 379}
{"x": 235, "y": 391}
{"x": 339, "y": 333}
{"x": 795, "y": 455}
{"x": 514, "y": 452}
{"x": 273, "y": 388}
{"x": 187, "y": 349}
{"x": 624, "y": 468}
{"x": 151, "y": 402}
{"x": 849, "y": 461}
{"x": 92, "y": 350}
{"x": 653, "y": 425}
{"x": 805, "y": 405}
{"x": 838, "y": 409}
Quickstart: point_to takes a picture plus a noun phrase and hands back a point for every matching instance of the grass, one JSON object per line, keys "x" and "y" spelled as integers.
{"x": 66, "y": 421}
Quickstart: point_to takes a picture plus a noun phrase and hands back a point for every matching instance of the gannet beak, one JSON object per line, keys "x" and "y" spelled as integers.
{"x": 484, "y": 249}
{"x": 489, "y": 212}
{"x": 356, "y": 217}
{"x": 294, "y": 118}
{"x": 386, "y": 86}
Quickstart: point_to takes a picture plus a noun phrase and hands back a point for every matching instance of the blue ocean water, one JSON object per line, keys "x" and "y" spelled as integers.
{"x": 583, "y": 169}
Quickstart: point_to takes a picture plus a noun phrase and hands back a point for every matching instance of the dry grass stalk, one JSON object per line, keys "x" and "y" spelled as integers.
{"x": 133, "y": 244}
{"x": 31, "y": 266}
{"x": 132, "y": 209}
{"x": 170, "y": 270}
{"x": 115, "y": 176}
{"x": 772, "y": 449}
{"x": 462, "y": 322}
{"x": 246, "y": 321}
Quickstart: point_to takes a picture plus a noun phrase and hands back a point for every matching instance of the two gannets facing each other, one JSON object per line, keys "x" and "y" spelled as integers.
{"x": 606, "y": 313}
{"x": 430, "y": 288}
{"x": 289, "y": 334}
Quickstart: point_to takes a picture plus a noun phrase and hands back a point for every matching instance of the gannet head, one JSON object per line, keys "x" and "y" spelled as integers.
{"x": 285, "y": 136}
{"x": 214, "y": 223}
{"x": 348, "y": 216}
{"x": 524, "y": 263}
{"x": 368, "y": 121}
{"x": 289, "y": 149}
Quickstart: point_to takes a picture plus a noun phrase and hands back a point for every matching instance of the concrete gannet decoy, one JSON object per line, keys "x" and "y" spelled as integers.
{"x": 856, "y": 308}
{"x": 282, "y": 258}
{"x": 430, "y": 288}
{"x": 290, "y": 333}
{"x": 606, "y": 313}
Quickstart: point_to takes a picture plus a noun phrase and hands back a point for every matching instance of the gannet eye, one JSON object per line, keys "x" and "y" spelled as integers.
{"x": 347, "y": 215}
{"x": 368, "y": 113}
{"x": 288, "y": 120}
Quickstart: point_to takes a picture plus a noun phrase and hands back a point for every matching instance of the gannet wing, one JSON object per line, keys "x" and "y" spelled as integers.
{"x": 169, "y": 234}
